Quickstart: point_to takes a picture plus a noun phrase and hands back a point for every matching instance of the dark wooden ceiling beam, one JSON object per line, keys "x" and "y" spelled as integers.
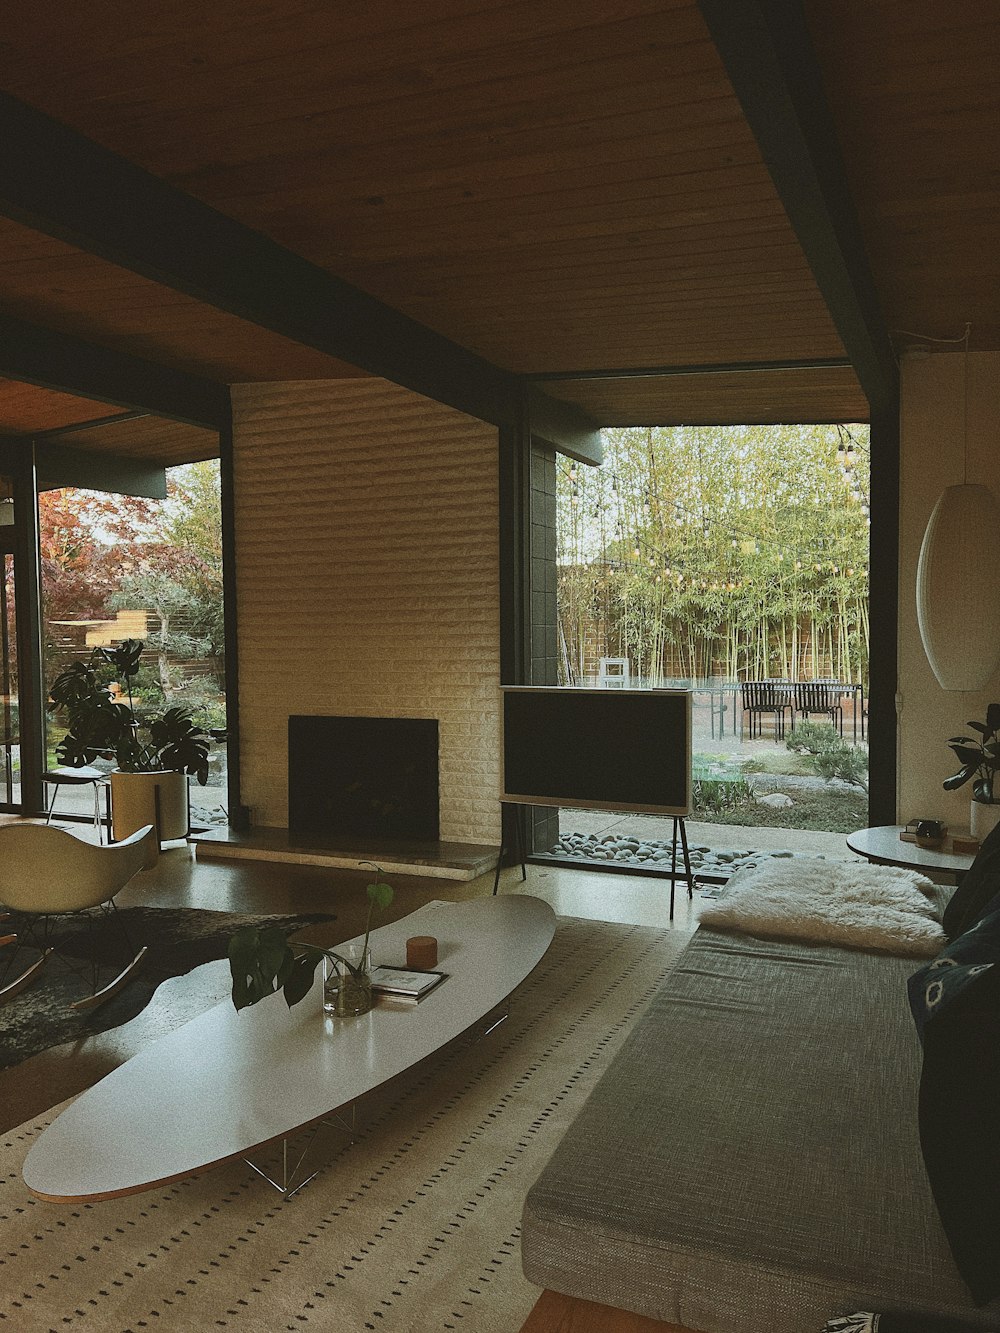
{"x": 707, "y": 368}
{"x": 56, "y": 181}
{"x": 61, "y": 361}
{"x": 116, "y": 419}
{"x": 59, "y": 465}
{"x": 768, "y": 54}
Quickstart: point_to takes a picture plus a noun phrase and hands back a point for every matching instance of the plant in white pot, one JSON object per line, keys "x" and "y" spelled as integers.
{"x": 979, "y": 756}
{"x": 154, "y": 753}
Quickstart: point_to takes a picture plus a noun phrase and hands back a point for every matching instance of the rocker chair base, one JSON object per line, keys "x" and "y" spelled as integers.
{"x": 26, "y": 978}
{"x": 114, "y": 986}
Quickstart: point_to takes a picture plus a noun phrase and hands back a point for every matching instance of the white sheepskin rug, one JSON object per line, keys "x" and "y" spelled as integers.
{"x": 847, "y": 903}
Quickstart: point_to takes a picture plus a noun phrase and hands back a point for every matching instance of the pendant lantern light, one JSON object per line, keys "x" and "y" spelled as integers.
{"x": 958, "y": 580}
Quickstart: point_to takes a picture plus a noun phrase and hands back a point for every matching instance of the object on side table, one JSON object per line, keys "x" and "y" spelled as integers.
{"x": 421, "y": 952}
{"x": 929, "y": 832}
{"x": 965, "y": 846}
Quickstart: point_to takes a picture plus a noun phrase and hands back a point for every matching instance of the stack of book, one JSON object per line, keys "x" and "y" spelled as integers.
{"x": 407, "y": 984}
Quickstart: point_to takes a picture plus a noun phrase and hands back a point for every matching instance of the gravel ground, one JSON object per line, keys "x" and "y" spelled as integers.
{"x": 717, "y": 850}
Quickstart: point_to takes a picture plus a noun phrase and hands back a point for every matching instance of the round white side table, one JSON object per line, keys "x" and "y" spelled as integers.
{"x": 883, "y": 846}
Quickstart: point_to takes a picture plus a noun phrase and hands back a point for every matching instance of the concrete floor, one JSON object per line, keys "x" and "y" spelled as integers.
{"x": 178, "y": 880}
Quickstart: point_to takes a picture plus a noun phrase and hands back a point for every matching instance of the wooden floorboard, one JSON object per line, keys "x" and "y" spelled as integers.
{"x": 554, "y": 1313}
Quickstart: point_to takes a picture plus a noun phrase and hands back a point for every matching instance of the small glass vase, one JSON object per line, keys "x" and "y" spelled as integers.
{"x": 347, "y": 991}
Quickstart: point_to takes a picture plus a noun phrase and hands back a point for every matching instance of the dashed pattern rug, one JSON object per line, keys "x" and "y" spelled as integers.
{"x": 412, "y": 1227}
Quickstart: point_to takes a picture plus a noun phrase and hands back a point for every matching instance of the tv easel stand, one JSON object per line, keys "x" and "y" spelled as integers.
{"x": 681, "y": 829}
{"x": 679, "y": 835}
{"x": 521, "y": 842}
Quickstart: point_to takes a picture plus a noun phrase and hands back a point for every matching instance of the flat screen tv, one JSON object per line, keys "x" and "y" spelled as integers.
{"x": 597, "y": 748}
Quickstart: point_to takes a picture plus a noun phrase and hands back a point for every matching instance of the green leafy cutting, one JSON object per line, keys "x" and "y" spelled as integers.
{"x": 262, "y": 960}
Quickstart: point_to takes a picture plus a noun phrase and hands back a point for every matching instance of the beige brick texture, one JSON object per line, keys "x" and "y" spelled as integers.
{"x": 366, "y": 528}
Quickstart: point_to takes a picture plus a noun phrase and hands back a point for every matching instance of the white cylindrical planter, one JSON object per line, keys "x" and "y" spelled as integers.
{"x": 983, "y": 818}
{"x": 133, "y": 804}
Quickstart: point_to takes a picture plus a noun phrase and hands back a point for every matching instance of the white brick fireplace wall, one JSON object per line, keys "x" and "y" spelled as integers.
{"x": 366, "y": 530}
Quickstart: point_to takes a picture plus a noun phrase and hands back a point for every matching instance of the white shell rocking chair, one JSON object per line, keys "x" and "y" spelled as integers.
{"x": 46, "y": 872}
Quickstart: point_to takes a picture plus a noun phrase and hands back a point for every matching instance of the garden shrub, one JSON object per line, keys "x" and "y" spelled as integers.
{"x": 831, "y": 756}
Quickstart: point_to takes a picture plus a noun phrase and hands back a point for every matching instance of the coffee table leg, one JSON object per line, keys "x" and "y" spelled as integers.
{"x": 284, "y": 1186}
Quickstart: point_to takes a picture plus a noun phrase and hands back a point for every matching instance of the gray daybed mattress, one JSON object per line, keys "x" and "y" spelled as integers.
{"x": 751, "y": 1157}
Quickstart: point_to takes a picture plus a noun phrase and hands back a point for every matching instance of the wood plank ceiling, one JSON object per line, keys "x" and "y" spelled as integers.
{"x": 567, "y": 187}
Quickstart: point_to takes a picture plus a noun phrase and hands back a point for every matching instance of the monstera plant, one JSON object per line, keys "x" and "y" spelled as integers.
{"x": 145, "y": 747}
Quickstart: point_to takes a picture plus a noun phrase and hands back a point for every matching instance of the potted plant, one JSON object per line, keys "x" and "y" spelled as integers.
{"x": 263, "y": 961}
{"x": 980, "y": 760}
{"x": 154, "y": 753}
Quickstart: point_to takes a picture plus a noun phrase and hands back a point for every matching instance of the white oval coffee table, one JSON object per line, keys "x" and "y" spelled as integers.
{"x": 227, "y": 1083}
{"x": 884, "y": 847}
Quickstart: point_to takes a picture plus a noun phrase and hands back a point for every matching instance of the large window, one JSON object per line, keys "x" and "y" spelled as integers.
{"x": 732, "y": 561}
{"x": 117, "y": 567}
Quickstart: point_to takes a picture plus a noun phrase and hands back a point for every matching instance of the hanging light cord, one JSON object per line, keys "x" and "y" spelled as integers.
{"x": 952, "y": 342}
{"x": 926, "y": 337}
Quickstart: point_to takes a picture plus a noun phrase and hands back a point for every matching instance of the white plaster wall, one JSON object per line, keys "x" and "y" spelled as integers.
{"x": 932, "y": 439}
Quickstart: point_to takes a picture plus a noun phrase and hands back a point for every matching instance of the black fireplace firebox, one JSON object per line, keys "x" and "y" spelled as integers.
{"x": 363, "y": 778}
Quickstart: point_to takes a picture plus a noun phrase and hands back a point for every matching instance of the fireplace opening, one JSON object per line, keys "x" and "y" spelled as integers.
{"x": 363, "y": 778}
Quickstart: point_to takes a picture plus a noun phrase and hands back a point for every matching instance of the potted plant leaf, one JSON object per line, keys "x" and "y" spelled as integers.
{"x": 154, "y": 753}
{"x": 263, "y": 961}
{"x": 979, "y": 756}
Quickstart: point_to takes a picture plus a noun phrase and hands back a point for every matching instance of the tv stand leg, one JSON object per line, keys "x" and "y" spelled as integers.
{"x": 680, "y": 828}
{"x": 521, "y": 843}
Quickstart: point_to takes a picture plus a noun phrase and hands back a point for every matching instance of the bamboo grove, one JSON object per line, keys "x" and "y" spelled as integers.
{"x": 707, "y": 552}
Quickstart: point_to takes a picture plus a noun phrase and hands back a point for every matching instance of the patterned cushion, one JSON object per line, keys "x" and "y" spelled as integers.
{"x": 937, "y": 985}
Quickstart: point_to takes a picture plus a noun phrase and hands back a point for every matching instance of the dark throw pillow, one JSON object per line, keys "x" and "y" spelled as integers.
{"x": 935, "y": 987}
{"x": 974, "y": 896}
{"x": 956, "y": 1002}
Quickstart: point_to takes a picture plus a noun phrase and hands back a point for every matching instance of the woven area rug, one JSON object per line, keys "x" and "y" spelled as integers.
{"x": 179, "y": 939}
{"x": 411, "y": 1228}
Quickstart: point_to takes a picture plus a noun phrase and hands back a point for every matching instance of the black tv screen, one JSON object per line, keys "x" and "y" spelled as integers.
{"x": 598, "y": 748}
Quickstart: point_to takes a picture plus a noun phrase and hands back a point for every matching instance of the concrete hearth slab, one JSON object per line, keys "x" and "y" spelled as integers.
{"x": 436, "y": 860}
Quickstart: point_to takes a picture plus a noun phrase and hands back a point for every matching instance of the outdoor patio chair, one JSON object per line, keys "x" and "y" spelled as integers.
{"x": 763, "y": 698}
{"x": 820, "y": 698}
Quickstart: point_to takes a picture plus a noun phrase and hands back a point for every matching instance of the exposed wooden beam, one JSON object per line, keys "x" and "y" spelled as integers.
{"x": 768, "y": 54}
{"x": 58, "y": 465}
{"x": 706, "y": 368}
{"x": 73, "y": 427}
{"x": 58, "y": 182}
{"x": 61, "y": 361}
{"x": 567, "y": 428}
